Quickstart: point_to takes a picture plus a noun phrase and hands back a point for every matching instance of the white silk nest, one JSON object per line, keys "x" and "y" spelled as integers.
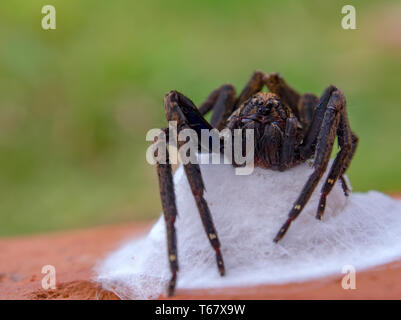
{"x": 362, "y": 230}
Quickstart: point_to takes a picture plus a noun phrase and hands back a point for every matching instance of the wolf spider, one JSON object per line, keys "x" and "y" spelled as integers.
{"x": 289, "y": 129}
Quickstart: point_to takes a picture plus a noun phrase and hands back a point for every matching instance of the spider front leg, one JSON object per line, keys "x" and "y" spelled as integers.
{"x": 308, "y": 146}
{"x": 254, "y": 85}
{"x": 167, "y": 195}
{"x": 288, "y": 150}
{"x": 197, "y": 187}
{"x": 307, "y": 104}
{"x": 222, "y": 102}
{"x": 272, "y": 137}
{"x": 333, "y": 111}
{"x": 276, "y": 84}
{"x": 314, "y": 127}
{"x": 347, "y": 142}
{"x": 181, "y": 109}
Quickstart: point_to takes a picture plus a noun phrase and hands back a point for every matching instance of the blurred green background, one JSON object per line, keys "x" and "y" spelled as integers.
{"x": 76, "y": 102}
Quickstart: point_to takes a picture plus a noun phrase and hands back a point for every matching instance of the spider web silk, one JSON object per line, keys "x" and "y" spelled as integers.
{"x": 362, "y": 230}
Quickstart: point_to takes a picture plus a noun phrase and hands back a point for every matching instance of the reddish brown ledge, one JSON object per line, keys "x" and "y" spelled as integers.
{"x": 74, "y": 254}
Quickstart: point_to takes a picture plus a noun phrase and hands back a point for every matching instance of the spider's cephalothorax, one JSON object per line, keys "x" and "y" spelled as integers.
{"x": 289, "y": 128}
{"x": 270, "y": 119}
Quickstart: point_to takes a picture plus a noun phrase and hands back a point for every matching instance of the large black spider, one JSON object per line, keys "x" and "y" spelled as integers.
{"x": 289, "y": 128}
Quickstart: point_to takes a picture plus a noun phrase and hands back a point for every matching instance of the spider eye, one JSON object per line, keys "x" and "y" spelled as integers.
{"x": 263, "y": 110}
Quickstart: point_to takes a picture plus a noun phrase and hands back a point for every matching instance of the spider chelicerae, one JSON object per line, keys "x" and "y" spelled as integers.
{"x": 289, "y": 128}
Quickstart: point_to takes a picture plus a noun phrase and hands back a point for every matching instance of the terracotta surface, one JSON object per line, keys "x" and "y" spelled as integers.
{"x": 72, "y": 253}
{"x": 75, "y": 253}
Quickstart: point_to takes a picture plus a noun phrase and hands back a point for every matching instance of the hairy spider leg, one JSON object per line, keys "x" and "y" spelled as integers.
{"x": 181, "y": 109}
{"x": 273, "y": 137}
{"x": 334, "y": 109}
{"x": 307, "y": 104}
{"x": 345, "y": 143}
{"x": 308, "y": 146}
{"x": 222, "y": 102}
{"x": 344, "y": 184}
{"x": 276, "y": 84}
{"x": 167, "y": 195}
{"x": 288, "y": 149}
{"x": 254, "y": 85}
